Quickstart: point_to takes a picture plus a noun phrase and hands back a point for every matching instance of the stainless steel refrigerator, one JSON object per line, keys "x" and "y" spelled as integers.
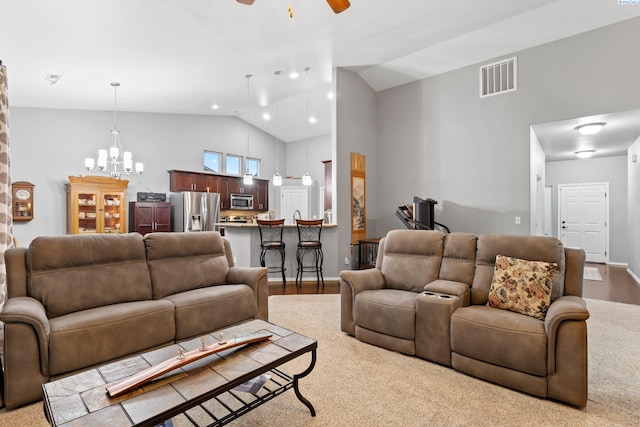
{"x": 195, "y": 211}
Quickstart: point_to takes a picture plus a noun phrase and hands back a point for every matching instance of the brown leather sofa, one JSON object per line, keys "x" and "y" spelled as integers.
{"x": 427, "y": 296}
{"x": 83, "y": 300}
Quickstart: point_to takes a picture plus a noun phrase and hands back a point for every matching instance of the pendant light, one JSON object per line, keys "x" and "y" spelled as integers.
{"x": 277, "y": 178}
{"x": 248, "y": 178}
{"x": 306, "y": 178}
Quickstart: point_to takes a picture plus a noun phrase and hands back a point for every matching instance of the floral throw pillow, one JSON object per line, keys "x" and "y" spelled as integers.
{"x": 522, "y": 286}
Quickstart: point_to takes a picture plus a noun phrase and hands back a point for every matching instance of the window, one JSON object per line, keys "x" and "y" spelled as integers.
{"x": 252, "y": 166}
{"x": 212, "y": 161}
{"x": 233, "y": 164}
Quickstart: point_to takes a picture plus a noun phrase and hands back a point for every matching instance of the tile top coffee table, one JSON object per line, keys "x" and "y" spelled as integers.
{"x": 202, "y": 392}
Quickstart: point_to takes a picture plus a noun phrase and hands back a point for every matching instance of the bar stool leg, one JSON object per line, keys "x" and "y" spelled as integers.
{"x": 299, "y": 257}
{"x": 319, "y": 263}
{"x": 282, "y": 269}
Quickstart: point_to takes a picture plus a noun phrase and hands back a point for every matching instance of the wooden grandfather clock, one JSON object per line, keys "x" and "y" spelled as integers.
{"x": 22, "y": 197}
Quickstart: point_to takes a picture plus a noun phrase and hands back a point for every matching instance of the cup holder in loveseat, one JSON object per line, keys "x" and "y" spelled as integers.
{"x": 437, "y": 295}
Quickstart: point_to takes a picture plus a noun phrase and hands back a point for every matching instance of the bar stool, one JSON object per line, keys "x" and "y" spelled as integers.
{"x": 309, "y": 231}
{"x": 271, "y": 240}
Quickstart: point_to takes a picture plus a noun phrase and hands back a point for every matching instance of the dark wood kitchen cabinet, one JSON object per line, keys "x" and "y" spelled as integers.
{"x": 223, "y": 184}
{"x": 149, "y": 217}
{"x": 193, "y": 181}
{"x": 262, "y": 200}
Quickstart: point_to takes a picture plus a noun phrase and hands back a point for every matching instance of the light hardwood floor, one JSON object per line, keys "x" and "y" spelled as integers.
{"x": 617, "y": 285}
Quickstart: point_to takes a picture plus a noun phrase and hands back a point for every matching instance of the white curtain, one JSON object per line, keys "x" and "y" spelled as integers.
{"x": 6, "y": 218}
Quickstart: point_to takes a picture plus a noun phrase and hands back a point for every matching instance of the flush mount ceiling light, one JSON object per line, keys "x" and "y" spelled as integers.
{"x": 590, "y": 128}
{"x": 585, "y": 154}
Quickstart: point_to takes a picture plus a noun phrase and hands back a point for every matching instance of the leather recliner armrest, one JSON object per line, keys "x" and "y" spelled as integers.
{"x": 30, "y": 311}
{"x": 561, "y": 310}
{"x": 256, "y": 278}
{"x": 351, "y": 283}
{"x": 363, "y": 280}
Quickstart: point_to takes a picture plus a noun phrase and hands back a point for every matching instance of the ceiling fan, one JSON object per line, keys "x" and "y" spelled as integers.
{"x": 337, "y": 5}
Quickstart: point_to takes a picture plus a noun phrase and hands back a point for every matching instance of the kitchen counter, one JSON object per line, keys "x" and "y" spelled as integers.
{"x": 255, "y": 225}
{"x": 245, "y": 243}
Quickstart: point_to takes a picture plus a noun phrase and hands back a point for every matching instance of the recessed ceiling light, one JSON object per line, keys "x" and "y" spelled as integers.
{"x": 266, "y": 117}
{"x": 312, "y": 119}
{"x": 585, "y": 154}
{"x": 215, "y": 106}
{"x": 330, "y": 95}
{"x": 590, "y": 128}
{"x": 294, "y": 75}
{"x": 53, "y": 78}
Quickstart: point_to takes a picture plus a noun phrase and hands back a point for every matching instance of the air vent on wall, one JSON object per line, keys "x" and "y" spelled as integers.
{"x": 499, "y": 77}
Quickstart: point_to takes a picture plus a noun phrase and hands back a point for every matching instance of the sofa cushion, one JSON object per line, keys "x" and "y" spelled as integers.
{"x": 207, "y": 309}
{"x": 540, "y": 248}
{"x": 387, "y": 311}
{"x": 411, "y": 258}
{"x": 522, "y": 286}
{"x": 92, "y": 336}
{"x": 184, "y": 261}
{"x": 78, "y": 272}
{"x": 501, "y": 338}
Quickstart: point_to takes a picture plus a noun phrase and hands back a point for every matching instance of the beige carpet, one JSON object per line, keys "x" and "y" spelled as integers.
{"x": 356, "y": 384}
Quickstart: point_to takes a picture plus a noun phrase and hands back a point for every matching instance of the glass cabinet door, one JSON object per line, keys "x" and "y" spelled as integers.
{"x": 87, "y": 212}
{"x": 112, "y": 204}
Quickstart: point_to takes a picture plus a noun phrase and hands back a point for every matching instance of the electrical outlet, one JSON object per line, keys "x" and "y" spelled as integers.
{"x": 235, "y": 259}
{"x": 517, "y": 220}
{"x": 346, "y": 260}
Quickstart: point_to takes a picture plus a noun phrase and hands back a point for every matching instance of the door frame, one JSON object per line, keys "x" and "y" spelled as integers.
{"x": 606, "y": 214}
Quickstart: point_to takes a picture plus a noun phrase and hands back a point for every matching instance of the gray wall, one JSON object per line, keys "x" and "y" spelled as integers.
{"x": 605, "y": 169}
{"x": 49, "y": 145}
{"x": 355, "y": 132}
{"x": 437, "y": 139}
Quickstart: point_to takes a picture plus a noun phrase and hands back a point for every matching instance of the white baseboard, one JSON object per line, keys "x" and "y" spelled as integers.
{"x": 634, "y": 276}
{"x": 618, "y": 264}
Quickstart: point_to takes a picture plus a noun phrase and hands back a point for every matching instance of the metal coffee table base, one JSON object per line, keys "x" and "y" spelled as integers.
{"x": 278, "y": 384}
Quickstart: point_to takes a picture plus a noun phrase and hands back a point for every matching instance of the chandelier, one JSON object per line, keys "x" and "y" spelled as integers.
{"x": 109, "y": 162}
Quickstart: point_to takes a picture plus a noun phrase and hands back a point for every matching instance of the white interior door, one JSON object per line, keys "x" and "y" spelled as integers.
{"x": 584, "y": 209}
{"x": 294, "y": 198}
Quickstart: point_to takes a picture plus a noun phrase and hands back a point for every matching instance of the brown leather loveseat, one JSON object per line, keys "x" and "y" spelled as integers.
{"x": 445, "y": 298}
{"x": 82, "y": 300}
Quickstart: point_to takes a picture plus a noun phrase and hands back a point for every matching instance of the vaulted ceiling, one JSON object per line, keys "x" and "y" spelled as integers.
{"x": 183, "y": 56}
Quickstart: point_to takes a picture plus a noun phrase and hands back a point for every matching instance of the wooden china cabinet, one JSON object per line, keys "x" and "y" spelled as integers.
{"x": 96, "y": 204}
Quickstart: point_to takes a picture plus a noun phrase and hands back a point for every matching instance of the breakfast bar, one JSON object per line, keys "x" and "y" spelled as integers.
{"x": 245, "y": 239}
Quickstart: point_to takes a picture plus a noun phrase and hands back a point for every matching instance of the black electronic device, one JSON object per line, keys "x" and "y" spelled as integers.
{"x": 152, "y": 197}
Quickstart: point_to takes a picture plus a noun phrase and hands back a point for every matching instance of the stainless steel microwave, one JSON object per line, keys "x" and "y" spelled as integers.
{"x": 242, "y": 201}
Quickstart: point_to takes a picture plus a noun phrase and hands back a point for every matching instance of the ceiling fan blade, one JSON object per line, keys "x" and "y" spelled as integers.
{"x": 338, "y": 5}
{"x": 247, "y": 2}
